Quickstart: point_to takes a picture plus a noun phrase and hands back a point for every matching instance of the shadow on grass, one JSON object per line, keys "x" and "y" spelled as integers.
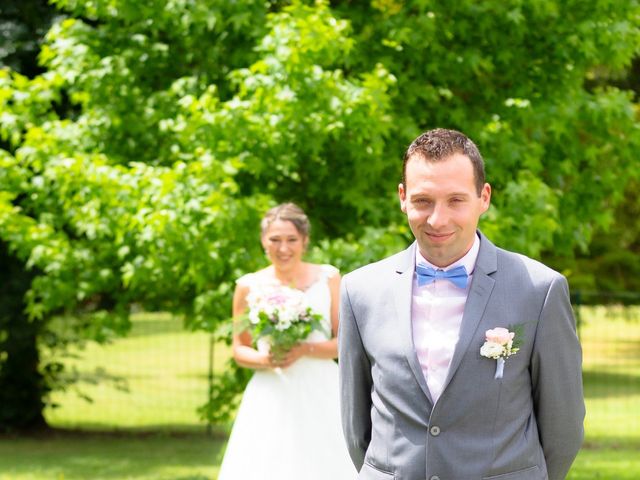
{"x": 612, "y": 443}
{"x": 144, "y": 455}
{"x": 607, "y": 384}
{"x": 98, "y": 430}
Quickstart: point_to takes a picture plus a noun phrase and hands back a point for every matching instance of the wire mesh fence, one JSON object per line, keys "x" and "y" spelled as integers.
{"x": 157, "y": 377}
{"x": 610, "y": 338}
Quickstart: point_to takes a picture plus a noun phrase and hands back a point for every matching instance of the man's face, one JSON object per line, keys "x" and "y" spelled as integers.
{"x": 443, "y": 206}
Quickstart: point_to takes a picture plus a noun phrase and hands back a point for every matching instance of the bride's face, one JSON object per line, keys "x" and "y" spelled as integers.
{"x": 284, "y": 244}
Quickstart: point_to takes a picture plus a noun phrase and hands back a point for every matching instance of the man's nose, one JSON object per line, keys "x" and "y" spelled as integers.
{"x": 438, "y": 216}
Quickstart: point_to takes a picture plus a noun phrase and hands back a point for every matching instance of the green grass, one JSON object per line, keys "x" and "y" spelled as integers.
{"x": 611, "y": 371}
{"x": 81, "y": 456}
{"x": 155, "y": 378}
{"x": 165, "y": 369}
{"x": 606, "y": 464}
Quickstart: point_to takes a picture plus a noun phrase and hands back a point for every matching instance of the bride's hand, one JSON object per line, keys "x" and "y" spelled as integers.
{"x": 292, "y": 355}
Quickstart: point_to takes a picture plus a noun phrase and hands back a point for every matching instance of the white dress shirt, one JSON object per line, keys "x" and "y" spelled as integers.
{"x": 436, "y": 315}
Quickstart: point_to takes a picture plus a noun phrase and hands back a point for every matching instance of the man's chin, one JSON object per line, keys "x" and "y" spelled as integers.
{"x": 436, "y": 253}
{"x": 430, "y": 245}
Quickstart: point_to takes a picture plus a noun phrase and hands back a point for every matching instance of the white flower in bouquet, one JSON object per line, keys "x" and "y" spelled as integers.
{"x": 282, "y": 316}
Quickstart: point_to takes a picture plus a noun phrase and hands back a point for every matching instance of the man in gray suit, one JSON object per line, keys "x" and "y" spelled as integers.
{"x": 458, "y": 360}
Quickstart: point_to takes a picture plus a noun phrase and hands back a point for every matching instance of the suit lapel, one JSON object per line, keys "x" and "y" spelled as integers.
{"x": 402, "y": 291}
{"x": 479, "y": 294}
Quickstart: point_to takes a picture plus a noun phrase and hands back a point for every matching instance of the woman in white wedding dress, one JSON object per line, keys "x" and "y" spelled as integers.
{"x": 288, "y": 423}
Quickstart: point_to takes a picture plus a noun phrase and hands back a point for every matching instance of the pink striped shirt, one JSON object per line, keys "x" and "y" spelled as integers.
{"x": 436, "y": 315}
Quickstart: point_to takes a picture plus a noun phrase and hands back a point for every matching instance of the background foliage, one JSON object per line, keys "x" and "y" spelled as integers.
{"x": 138, "y": 157}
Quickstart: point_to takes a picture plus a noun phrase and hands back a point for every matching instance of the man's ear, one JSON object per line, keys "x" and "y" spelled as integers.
{"x": 402, "y": 195}
{"x": 485, "y": 195}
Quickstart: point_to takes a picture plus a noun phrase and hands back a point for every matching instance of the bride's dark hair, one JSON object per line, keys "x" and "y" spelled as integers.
{"x": 289, "y": 212}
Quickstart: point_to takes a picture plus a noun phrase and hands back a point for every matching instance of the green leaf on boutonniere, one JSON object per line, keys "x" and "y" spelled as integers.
{"x": 518, "y": 329}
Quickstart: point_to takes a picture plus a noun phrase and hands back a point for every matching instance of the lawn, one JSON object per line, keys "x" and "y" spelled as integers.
{"x": 164, "y": 370}
{"x": 155, "y": 378}
{"x": 99, "y": 456}
{"x": 611, "y": 371}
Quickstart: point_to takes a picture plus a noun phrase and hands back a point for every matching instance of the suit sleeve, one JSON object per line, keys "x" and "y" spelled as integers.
{"x": 355, "y": 382}
{"x": 556, "y": 371}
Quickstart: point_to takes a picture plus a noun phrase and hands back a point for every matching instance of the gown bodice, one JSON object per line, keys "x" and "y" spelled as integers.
{"x": 317, "y": 295}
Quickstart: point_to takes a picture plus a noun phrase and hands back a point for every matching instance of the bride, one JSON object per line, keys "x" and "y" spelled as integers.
{"x": 288, "y": 425}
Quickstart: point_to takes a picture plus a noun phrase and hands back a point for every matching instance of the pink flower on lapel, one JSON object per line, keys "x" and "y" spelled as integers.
{"x": 499, "y": 346}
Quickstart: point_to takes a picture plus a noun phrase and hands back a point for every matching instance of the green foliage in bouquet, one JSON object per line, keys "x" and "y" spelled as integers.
{"x": 280, "y": 318}
{"x": 281, "y": 341}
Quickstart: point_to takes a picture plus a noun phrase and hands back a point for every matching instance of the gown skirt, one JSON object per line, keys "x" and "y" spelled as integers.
{"x": 288, "y": 427}
{"x": 288, "y": 423}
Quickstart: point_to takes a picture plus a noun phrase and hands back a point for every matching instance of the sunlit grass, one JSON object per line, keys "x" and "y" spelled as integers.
{"x": 606, "y": 464}
{"x": 165, "y": 369}
{"x": 157, "y": 376}
{"x": 611, "y": 371}
{"x": 81, "y": 456}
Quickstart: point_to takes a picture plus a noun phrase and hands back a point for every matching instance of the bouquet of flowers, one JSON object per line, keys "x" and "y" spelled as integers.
{"x": 280, "y": 317}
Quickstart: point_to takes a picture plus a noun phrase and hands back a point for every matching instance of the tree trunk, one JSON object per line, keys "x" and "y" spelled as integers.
{"x": 22, "y": 385}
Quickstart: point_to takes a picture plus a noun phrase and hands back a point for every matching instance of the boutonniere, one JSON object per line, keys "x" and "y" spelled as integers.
{"x": 500, "y": 343}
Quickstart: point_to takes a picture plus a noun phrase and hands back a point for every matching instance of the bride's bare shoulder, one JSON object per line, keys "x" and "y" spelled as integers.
{"x": 324, "y": 269}
{"x": 259, "y": 277}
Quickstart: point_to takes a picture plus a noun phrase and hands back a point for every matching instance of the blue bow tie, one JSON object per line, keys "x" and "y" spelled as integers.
{"x": 458, "y": 276}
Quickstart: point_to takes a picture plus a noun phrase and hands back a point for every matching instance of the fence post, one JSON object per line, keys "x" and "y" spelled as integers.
{"x": 577, "y": 302}
{"x": 212, "y": 345}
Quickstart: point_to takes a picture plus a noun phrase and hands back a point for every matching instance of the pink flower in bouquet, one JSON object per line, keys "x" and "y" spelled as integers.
{"x": 280, "y": 318}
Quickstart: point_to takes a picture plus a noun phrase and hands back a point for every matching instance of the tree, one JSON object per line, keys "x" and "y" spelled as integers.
{"x": 186, "y": 119}
{"x": 22, "y": 28}
{"x": 512, "y": 75}
{"x": 609, "y": 271}
{"x": 145, "y": 198}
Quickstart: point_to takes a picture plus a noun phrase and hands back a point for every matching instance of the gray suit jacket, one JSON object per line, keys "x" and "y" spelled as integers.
{"x": 527, "y": 425}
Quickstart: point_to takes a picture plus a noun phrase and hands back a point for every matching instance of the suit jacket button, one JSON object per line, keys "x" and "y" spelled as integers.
{"x": 435, "y": 431}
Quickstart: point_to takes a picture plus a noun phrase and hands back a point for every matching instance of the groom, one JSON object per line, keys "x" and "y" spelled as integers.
{"x": 420, "y": 400}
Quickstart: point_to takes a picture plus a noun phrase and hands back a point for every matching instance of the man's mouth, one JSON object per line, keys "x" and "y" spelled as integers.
{"x": 438, "y": 237}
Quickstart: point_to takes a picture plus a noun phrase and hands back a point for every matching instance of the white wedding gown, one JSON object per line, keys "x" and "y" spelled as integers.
{"x": 288, "y": 423}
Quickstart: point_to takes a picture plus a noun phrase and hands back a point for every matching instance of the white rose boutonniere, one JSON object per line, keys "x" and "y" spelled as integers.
{"x": 500, "y": 343}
